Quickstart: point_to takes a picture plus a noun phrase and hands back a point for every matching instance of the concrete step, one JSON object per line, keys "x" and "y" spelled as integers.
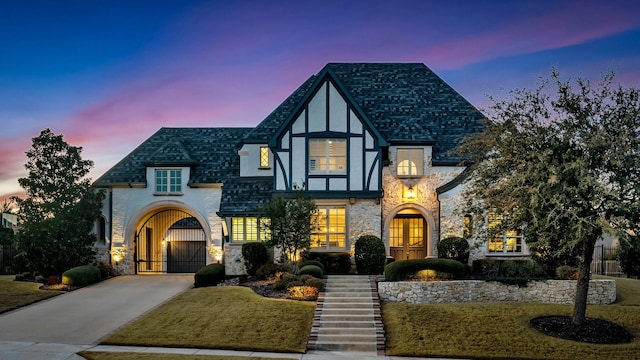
{"x": 347, "y": 305}
{"x": 346, "y": 338}
{"x": 361, "y": 324}
{"x": 357, "y": 293}
{"x": 366, "y": 331}
{"x": 339, "y": 287}
{"x": 344, "y": 346}
{"x": 352, "y": 311}
{"x": 344, "y": 318}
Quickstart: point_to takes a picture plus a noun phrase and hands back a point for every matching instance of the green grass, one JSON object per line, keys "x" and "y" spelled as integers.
{"x": 15, "y": 294}
{"x": 502, "y": 331}
{"x": 98, "y": 355}
{"x": 222, "y": 318}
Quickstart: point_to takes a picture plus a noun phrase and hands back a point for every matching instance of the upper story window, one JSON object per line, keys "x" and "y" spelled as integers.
{"x": 247, "y": 229}
{"x": 410, "y": 162}
{"x": 169, "y": 181}
{"x": 503, "y": 241}
{"x": 327, "y": 156}
{"x": 264, "y": 157}
{"x": 330, "y": 228}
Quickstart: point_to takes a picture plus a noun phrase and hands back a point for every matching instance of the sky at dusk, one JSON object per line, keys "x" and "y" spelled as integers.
{"x": 108, "y": 74}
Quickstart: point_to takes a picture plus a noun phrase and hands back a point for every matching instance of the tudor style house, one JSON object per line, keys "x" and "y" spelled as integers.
{"x": 371, "y": 143}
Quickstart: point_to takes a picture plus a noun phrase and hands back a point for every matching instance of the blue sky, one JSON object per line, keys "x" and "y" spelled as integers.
{"x": 108, "y": 74}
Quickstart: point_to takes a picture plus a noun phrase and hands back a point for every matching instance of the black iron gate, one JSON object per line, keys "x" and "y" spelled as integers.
{"x": 173, "y": 238}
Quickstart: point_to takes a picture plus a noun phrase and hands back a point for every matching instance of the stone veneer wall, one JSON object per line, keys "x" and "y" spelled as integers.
{"x": 550, "y": 291}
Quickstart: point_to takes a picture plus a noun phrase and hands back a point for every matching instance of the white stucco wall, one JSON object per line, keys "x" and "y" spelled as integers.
{"x": 132, "y": 205}
{"x": 250, "y": 161}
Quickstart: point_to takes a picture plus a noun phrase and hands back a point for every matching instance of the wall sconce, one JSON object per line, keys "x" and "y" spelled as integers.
{"x": 411, "y": 193}
{"x": 352, "y": 201}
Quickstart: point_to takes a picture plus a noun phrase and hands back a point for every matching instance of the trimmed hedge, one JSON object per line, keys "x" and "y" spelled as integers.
{"x": 255, "y": 255}
{"x": 370, "y": 255}
{"x": 209, "y": 275}
{"x": 454, "y": 248}
{"x": 407, "y": 269}
{"x": 313, "y": 262}
{"x": 334, "y": 263}
{"x": 312, "y": 270}
{"x": 81, "y": 276}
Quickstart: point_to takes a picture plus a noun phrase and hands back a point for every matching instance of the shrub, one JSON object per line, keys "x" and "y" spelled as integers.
{"x": 209, "y": 275}
{"x": 628, "y": 253}
{"x": 567, "y": 272}
{"x": 106, "y": 270}
{"x": 408, "y": 269}
{"x": 313, "y": 262}
{"x": 512, "y": 272}
{"x": 370, "y": 255}
{"x": 316, "y": 283}
{"x": 312, "y": 270}
{"x": 285, "y": 281}
{"x": 302, "y": 292}
{"x": 268, "y": 271}
{"x": 53, "y": 280}
{"x": 334, "y": 263}
{"x": 255, "y": 255}
{"x": 81, "y": 276}
{"x": 454, "y": 248}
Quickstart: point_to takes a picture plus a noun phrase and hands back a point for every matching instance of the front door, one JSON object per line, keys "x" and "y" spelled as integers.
{"x": 408, "y": 237}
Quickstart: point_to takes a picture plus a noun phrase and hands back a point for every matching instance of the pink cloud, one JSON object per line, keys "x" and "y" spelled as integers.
{"x": 573, "y": 24}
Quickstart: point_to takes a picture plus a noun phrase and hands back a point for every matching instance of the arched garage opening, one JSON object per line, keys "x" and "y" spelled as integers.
{"x": 172, "y": 241}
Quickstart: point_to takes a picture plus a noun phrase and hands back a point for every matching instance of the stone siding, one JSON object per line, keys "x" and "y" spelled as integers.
{"x": 551, "y": 291}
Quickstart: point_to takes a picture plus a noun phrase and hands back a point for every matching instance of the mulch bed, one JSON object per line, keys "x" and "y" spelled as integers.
{"x": 595, "y": 331}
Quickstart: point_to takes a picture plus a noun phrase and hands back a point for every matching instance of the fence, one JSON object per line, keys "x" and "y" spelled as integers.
{"x": 7, "y": 252}
{"x": 605, "y": 262}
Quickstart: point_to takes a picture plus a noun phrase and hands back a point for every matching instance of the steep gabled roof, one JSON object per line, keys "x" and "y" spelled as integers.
{"x": 211, "y": 153}
{"x": 245, "y": 195}
{"x": 406, "y": 103}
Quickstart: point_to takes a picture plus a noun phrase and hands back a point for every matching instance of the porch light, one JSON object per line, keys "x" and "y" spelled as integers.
{"x": 411, "y": 193}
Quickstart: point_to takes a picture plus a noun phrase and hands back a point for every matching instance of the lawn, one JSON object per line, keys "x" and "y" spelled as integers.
{"x": 228, "y": 317}
{"x": 15, "y": 294}
{"x": 91, "y": 355}
{"x": 501, "y": 330}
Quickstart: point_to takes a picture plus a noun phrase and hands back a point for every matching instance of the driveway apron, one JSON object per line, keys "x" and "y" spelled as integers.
{"x": 84, "y": 316}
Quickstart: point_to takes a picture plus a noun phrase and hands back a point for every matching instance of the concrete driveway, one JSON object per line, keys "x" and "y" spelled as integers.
{"x": 84, "y": 316}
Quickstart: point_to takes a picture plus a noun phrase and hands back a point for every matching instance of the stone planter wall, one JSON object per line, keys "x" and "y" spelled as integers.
{"x": 551, "y": 291}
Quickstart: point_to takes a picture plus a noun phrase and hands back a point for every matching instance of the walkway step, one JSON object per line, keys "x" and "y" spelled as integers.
{"x": 347, "y": 316}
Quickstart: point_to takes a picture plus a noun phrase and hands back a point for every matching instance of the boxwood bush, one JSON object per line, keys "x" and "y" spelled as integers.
{"x": 81, "y": 276}
{"x": 370, "y": 255}
{"x": 255, "y": 255}
{"x": 407, "y": 269}
{"x": 313, "y": 262}
{"x": 334, "y": 263}
{"x": 312, "y": 270}
{"x": 270, "y": 270}
{"x": 454, "y": 248}
{"x": 209, "y": 275}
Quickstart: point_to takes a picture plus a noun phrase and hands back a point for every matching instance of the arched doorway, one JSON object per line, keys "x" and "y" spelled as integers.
{"x": 408, "y": 236}
{"x": 172, "y": 241}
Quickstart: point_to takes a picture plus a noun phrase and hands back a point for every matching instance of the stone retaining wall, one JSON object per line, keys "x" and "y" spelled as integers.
{"x": 550, "y": 291}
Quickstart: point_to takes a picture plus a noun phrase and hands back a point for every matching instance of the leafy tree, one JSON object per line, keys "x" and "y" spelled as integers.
{"x": 561, "y": 163}
{"x": 291, "y": 221}
{"x": 59, "y": 211}
{"x": 628, "y": 253}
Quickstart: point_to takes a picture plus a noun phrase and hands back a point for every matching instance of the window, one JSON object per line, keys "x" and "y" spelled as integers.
{"x": 328, "y": 156}
{"x": 500, "y": 241}
{"x": 330, "y": 228}
{"x": 168, "y": 181}
{"x": 410, "y": 162}
{"x": 246, "y": 229}
{"x": 264, "y": 157}
{"x": 467, "y": 226}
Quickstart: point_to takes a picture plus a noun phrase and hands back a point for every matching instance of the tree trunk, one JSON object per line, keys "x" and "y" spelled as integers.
{"x": 582, "y": 287}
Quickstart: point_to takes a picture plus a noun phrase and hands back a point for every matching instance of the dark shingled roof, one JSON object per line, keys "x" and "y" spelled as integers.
{"x": 406, "y": 102}
{"x": 245, "y": 195}
{"x": 211, "y": 152}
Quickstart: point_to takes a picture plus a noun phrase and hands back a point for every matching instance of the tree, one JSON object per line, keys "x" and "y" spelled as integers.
{"x": 291, "y": 221}
{"x": 560, "y": 163}
{"x": 628, "y": 253}
{"x": 59, "y": 211}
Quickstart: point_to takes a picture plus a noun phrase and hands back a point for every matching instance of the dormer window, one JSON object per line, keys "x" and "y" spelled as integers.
{"x": 410, "y": 162}
{"x": 168, "y": 181}
{"x": 264, "y": 157}
{"x": 327, "y": 156}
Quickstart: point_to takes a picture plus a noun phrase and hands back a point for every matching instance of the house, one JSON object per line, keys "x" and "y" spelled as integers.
{"x": 370, "y": 142}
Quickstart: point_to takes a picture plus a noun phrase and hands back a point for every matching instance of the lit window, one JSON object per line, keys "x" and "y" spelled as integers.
{"x": 500, "y": 241}
{"x": 168, "y": 181}
{"x": 410, "y": 162}
{"x": 467, "y": 226}
{"x": 327, "y": 156}
{"x": 264, "y": 157}
{"x": 246, "y": 229}
{"x": 330, "y": 228}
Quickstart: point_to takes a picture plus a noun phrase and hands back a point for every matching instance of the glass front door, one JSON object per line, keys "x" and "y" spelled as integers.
{"x": 408, "y": 237}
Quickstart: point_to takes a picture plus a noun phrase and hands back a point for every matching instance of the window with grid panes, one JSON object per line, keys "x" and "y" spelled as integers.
{"x": 168, "y": 181}
{"x": 410, "y": 162}
{"x": 330, "y": 229}
{"x": 327, "y": 156}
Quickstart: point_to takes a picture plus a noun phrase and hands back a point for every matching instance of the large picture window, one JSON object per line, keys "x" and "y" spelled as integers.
{"x": 410, "y": 162}
{"x": 248, "y": 229}
{"x": 168, "y": 181}
{"x": 327, "y": 156}
{"x": 330, "y": 229}
{"x": 503, "y": 241}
